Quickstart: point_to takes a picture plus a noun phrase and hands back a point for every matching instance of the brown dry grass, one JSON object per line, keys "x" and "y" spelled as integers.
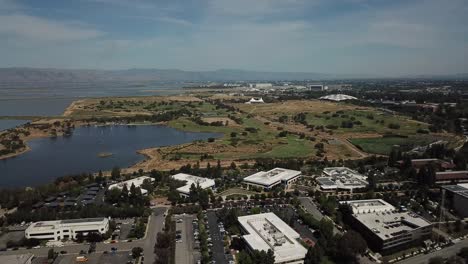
{"x": 294, "y": 106}
{"x": 87, "y": 104}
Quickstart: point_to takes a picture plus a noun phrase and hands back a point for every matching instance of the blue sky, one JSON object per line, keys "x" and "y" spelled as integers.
{"x": 377, "y": 37}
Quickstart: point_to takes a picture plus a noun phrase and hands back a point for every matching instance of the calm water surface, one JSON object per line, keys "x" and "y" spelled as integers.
{"x": 7, "y": 124}
{"x": 52, "y": 158}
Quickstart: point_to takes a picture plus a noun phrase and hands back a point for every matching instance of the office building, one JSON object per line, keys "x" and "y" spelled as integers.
{"x": 341, "y": 178}
{"x": 66, "y": 229}
{"x": 387, "y": 229}
{"x": 268, "y": 232}
{"x": 204, "y": 183}
{"x": 137, "y": 182}
{"x": 458, "y": 195}
{"x": 272, "y": 178}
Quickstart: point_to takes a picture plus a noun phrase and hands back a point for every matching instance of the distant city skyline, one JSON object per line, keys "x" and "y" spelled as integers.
{"x": 370, "y": 37}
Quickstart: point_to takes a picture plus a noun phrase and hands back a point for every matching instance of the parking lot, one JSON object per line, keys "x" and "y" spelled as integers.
{"x": 124, "y": 226}
{"x": 184, "y": 239}
{"x": 217, "y": 248}
{"x": 99, "y": 258}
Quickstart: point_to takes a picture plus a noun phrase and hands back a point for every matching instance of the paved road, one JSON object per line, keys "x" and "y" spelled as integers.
{"x": 184, "y": 249}
{"x": 314, "y": 211}
{"x": 311, "y": 207}
{"x": 216, "y": 238}
{"x": 155, "y": 225}
{"x": 445, "y": 253}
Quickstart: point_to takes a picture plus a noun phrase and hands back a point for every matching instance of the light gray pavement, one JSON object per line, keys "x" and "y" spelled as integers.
{"x": 155, "y": 225}
{"x": 445, "y": 253}
{"x": 311, "y": 208}
{"x": 184, "y": 249}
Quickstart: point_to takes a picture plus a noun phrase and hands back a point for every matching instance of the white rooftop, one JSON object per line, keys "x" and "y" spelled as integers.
{"x": 384, "y": 220}
{"x": 370, "y": 206}
{"x": 342, "y": 178}
{"x": 137, "y": 182}
{"x": 338, "y": 97}
{"x": 267, "y": 231}
{"x": 56, "y": 224}
{"x": 272, "y": 176}
{"x": 191, "y": 179}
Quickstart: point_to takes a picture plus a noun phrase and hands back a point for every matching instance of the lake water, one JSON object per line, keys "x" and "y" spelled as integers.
{"x": 52, "y": 158}
{"x": 52, "y": 99}
{"x": 7, "y": 124}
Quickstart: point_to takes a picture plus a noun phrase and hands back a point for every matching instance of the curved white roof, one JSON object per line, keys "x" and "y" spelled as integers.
{"x": 337, "y": 97}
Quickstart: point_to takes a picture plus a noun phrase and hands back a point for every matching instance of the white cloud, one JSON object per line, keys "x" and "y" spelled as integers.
{"x": 35, "y": 28}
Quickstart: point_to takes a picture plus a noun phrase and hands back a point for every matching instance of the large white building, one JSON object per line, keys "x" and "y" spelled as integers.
{"x": 341, "y": 178}
{"x": 337, "y": 97}
{"x": 137, "y": 182}
{"x": 66, "y": 229}
{"x": 204, "y": 183}
{"x": 275, "y": 177}
{"x": 260, "y": 85}
{"x": 254, "y": 100}
{"x": 268, "y": 232}
{"x": 387, "y": 229}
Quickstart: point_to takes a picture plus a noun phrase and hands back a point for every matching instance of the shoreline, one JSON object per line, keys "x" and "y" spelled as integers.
{"x": 76, "y": 124}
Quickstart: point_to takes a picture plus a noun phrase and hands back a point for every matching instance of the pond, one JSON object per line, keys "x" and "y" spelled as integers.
{"x": 50, "y": 158}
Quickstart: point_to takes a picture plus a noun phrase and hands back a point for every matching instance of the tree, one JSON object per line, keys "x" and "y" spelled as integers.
{"x": 203, "y": 198}
{"x": 115, "y": 173}
{"x": 51, "y": 254}
{"x": 136, "y": 252}
{"x": 314, "y": 255}
{"x": 351, "y": 244}
{"x": 463, "y": 253}
{"x": 79, "y": 237}
{"x": 436, "y": 260}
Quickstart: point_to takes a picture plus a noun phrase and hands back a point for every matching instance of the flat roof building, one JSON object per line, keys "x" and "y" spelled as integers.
{"x": 137, "y": 182}
{"x": 458, "y": 194}
{"x": 204, "y": 183}
{"x": 419, "y": 163}
{"x": 341, "y": 178}
{"x": 385, "y": 228}
{"x": 272, "y": 178}
{"x": 452, "y": 177}
{"x": 268, "y": 232}
{"x": 66, "y": 229}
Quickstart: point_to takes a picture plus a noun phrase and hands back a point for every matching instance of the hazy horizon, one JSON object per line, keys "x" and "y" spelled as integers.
{"x": 348, "y": 37}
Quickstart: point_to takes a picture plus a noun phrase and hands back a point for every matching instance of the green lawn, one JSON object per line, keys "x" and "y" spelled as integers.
{"x": 289, "y": 147}
{"x": 384, "y": 145}
{"x": 371, "y": 122}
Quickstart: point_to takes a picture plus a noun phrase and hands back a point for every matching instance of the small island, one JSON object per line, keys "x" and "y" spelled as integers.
{"x": 105, "y": 154}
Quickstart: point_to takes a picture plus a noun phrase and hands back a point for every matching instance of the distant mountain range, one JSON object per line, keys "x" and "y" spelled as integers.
{"x": 26, "y": 75}
{"x": 39, "y": 75}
